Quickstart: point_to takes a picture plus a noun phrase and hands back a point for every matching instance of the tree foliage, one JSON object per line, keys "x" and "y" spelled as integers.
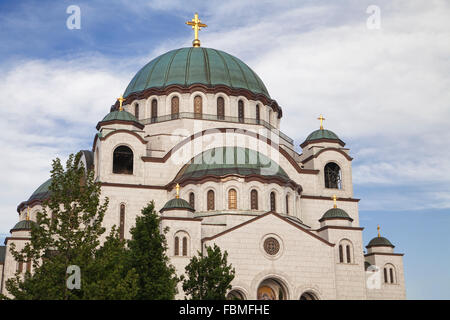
{"x": 148, "y": 246}
{"x": 208, "y": 276}
{"x": 68, "y": 232}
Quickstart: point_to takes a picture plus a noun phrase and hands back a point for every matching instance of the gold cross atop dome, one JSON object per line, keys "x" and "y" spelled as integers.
{"x": 196, "y": 25}
{"x": 28, "y": 214}
{"x": 121, "y": 100}
{"x": 177, "y": 187}
{"x": 334, "y": 201}
{"x": 378, "y": 229}
{"x": 321, "y": 118}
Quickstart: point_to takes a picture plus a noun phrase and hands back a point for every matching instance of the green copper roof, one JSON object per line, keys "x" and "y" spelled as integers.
{"x": 223, "y": 161}
{"x": 187, "y": 66}
{"x": 120, "y": 115}
{"x": 177, "y": 203}
{"x": 335, "y": 213}
{"x": 24, "y": 224}
{"x": 42, "y": 192}
{"x": 379, "y": 241}
{"x": 322, "y": 134}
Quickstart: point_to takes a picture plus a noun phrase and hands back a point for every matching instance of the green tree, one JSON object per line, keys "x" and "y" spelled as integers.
{"x": 208, "y": 277}
{"x": 148, "y": 246}
{"x": 67, "y": 232}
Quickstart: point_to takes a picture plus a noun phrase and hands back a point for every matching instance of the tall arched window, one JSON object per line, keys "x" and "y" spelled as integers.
{"x": 385, "y": 275}
{"x": 332, "y": 174}
{"x": 185, "y": 246}
{"x": 192, "y": 199}
{"x": 136, "y": 110}
{"x": 177, "y": 246}
{"x": 232, "y": 199}
{"x": 210, "y": 200}
{"x": 154, "y": 111}
{"x": 257, "y": 114}
{"x": 254, "y": 199}
{"x": 241, "y": 111}
{"x": 19, "y": 267}
{"x": 341, "y": 254}
{"x": 123, "y": 160}
{"x": 287, "y": 204}
{"x": 389, "y": 273}
{"x": 198, "y": 107}
{"x": 122, "y": 222}
{"x": 29, "y": 266}
{"x": 349, "y": 257}
{"x": 175, "y": 107}
{"x": 272, "y": 202}
{"x": 220, "y": 108}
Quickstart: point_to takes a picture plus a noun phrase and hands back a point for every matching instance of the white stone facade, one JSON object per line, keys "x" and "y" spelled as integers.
{"x": 307, "y": 263}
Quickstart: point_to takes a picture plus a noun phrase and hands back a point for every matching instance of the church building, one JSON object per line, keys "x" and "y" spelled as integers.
{"x": 197, "y": 131}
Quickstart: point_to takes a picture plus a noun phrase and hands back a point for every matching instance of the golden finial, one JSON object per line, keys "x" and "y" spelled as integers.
{"x": 196, "y": 25}
{"x": 28, "y": 214}
{"x": 121, "y": 100}
{"x": 334, "y": 201}
{"x": 321, "y": 118}
{"x": 378, "y": 228}
{"x": 178, "y": 190}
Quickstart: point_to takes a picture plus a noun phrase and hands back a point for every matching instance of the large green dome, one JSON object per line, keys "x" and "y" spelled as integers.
{"x": 188, "y": 66}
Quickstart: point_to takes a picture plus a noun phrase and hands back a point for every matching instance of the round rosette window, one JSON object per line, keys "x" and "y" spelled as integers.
{"x": 272, "y": 246}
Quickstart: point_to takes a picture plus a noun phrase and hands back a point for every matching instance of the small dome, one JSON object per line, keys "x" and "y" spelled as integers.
{"x": 23, "y": 225}
{"x": 42, "y": 192}
{"x": 188, "y": 66}
{"x": 177, "y": 203}
{"x": 335, "y": 213}
{"x": 322, "y": 134}
{"x": 379, "y": 242}
{"x": 120, "y": 115}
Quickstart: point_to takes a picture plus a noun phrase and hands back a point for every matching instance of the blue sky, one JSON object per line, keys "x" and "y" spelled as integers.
{"x": 383, "y": 91}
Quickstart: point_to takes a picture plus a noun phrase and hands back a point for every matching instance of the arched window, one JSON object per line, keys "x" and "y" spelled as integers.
{"x": 349, "y": 257}
{"x": 136, "y": 110}
{"x": 287, "y": 204}
{"x": 29, "y": 266}
{"x": 272, "y": 202}
{"x": 341, "y": 254}
{"x": 258, "y": 117}
{"x": 210, "y": 200}
{"x": 198, "y": 107}
{"x": 177, "y": 246}
{"x": 254, "y": 199}
{"x": 220, "y": 108}
{"x": 241, "y": 111}
{"x": 175, "y": 107}
{"x": 154, "y": 111}
{"x": 389, "y": 274}
{"x": 123, "y": 160}
{"x": 122, "y": 222}
{"x": 332, "y": 174}
{"x": 232, "y": 199}
{"x": 192, "y": 199}
{"x": 185, "y": 246}
{"x": 19, "y": 267}
{"x": 345, "y": 251}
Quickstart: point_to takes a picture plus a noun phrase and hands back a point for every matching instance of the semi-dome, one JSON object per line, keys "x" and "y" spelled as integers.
{"x": 177, "y": 204}
{"x": 380, "y": 242}
{"x": 196, "y": 65}
{"x": 335, "y": 213}
{"x": 42, "y": 192}
{"x": 223, "y": 161}
{"x": 23, "y": 225}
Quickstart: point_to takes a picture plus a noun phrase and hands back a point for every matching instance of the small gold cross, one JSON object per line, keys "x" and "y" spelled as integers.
{"x": 121, "y": 100}
{"x": 334, "y": 201}
{"x": 178, "y": 190}
{"x": 321, "y": 118}
{"x": 378, "y": 228}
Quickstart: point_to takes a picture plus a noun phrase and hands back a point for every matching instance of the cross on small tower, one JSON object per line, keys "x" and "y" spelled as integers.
{"x": 378, "y": 229}
{"x": 321, "y": 118}
{"x": 178, "y": 190}
{"x": 121, "y": 99}
{"x": 196, "y": 25}
{"x": 334, "y": 201}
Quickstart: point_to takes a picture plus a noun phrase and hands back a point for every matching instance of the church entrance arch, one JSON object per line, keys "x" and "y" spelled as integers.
{"x": 272, "y": 289}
